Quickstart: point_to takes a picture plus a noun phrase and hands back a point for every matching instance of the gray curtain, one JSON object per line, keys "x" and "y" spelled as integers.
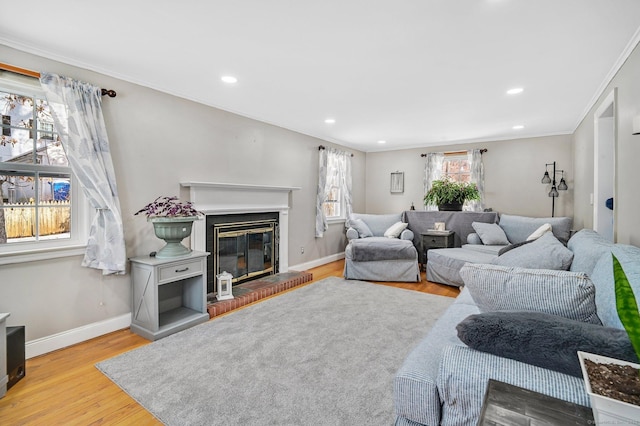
{"x": 477, "y": 177}
{"x": 334, "y": 167}
{"x": 432, "y": 171}
{"x": 77, "y": 113}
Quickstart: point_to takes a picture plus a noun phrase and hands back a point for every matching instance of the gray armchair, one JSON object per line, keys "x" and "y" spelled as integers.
{"x": 380, "y": 249}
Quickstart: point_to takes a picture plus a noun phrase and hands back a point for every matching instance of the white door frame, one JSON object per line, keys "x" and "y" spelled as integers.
{"x": 605, "y": 141}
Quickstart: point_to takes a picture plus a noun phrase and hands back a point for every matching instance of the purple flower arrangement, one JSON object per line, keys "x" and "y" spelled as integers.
{"x": 169, "y": 207}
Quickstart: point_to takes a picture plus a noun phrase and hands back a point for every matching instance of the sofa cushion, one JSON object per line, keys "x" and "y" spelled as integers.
{"x": 518, "y": 228}
{"x": 443, "y": 265}
{"x": 500, "y": 288}
{"x": 543, "y": 229}
{"x": 543, "y": 340}
{"x": 588, "y": 247}
{"x": 490, "y": 233}
{"x": 544, "y": 253}
{"x": 602, "y": 277}
{"x": 394, "y": 230}
{"x": 361, "y": 227}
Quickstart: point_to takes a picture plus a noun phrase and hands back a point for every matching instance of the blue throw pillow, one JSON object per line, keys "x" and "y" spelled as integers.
{"x": 491, "y": 234}
{"x": 361, "y": 227}
{"x": 544, "y": 253}
{"x": 543, "y": 340}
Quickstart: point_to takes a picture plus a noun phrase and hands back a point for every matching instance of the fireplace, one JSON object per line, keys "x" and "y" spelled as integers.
{"x": 241, "y": 203}
{"x": 244, "y": 245}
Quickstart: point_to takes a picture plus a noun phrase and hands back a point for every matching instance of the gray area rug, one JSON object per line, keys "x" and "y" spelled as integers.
{"x": 323, "y": 354}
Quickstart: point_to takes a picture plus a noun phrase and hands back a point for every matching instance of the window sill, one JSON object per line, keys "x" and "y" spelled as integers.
{"x": 42, "y": 254}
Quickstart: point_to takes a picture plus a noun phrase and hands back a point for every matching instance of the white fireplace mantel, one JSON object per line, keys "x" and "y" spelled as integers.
{"x": 214, "y": 198}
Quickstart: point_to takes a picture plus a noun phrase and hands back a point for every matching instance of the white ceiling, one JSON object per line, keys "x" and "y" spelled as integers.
{"x": 412, "y": 72}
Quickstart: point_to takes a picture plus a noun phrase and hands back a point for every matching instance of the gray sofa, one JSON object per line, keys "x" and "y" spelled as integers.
{"x": 371, "y": 256}
{"x": 443, "y": 381}
{"x": 443, "y": 265}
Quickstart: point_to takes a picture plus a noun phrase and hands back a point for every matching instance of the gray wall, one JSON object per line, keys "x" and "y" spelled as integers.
{"x": 158, "y": 140}
{"x": 627, "y": 202}
{"x": 513, "y": 170}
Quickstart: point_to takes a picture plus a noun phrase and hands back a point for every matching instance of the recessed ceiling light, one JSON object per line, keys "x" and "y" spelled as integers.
{"x": 330, "y": 120}
{"x": 518, "y": 127}
{"x": 229, "y": 79}
{"x": 381, "y": 142}
{"x": 515, "y": 91}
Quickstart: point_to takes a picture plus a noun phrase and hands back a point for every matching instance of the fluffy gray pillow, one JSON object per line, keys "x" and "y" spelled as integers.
{"x": 361, "y": 227}
{"x": 501, "y": 288}
{"x": 543, "y": 340}
{"x": 544, "y": 253}
{"x": 490, "y": 233}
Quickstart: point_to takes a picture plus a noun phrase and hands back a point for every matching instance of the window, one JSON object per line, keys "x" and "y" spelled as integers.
{"x": 39, "y": 203}
{"x": 333, "y": 205}
{"x": 457, "y": 168}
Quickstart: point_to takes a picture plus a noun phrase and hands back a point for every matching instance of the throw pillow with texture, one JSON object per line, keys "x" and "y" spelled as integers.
{"x": 543, "y": 340}
{"x": 510, "y": 247}
{"x": 490, "y": 233}
{"x": 361, "y": 227}
{"x": 500, "y": 288}
{"x": 544, "y": 253}
{"x": 395, "y": 230}
{"x": 543, "y": 229}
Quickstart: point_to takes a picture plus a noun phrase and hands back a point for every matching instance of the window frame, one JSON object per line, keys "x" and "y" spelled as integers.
{"x": 80, "y": 210}
{"x": 456, "y": 157}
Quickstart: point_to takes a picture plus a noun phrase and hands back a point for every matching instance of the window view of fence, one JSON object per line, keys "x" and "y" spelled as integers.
{"x": 53, "y": 220}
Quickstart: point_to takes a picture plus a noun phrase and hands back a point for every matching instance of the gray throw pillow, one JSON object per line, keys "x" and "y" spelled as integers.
{"x": 361, "y": 227}
{"x": 500, "y": 288}
{"x": 544, "y": 253}
{"x": 490, "y": 233}
{"x": 543, "y": 340}
{"x": 510, "y": 247}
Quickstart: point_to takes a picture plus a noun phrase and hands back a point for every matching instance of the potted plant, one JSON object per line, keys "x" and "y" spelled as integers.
{"x": 614, "y": 385}
{"x": 172, "y": 222}
{"x": 450, "y": 195}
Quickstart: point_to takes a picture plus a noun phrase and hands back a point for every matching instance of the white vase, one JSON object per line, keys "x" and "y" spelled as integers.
{"x": 172, "y": 230}
{"x": 609, "y": 411}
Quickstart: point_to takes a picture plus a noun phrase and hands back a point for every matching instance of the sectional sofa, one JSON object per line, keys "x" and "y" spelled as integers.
{"x": 443, "y": 265}
{"x": 443, "y": 379}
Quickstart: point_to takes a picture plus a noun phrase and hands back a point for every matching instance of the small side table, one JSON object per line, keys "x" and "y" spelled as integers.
{"x": 434, "y": 239}
{"x": 508, "y": 405}
{"x": 168, "y": 295}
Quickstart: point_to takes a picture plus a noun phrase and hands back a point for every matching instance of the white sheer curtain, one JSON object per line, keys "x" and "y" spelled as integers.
{"x": 477, "y": 177}
{"x": 432, "y": 171}
{"x": 77, "y": 113}
{"x": 334, "y": 169}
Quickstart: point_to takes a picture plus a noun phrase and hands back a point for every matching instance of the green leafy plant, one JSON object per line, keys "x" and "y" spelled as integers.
{"x": 626, "y": 305}
{"x": 447, "y": 191}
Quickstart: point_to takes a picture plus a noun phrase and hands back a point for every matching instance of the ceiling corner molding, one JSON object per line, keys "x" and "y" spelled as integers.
{"x": 624, "y": 55}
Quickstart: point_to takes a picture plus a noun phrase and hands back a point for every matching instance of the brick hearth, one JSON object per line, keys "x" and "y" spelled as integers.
{"x": 255, "y": 290}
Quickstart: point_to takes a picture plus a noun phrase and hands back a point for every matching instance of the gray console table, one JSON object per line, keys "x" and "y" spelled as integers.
{"x": 168, "y": 295}
{"x": 4, "y": 379}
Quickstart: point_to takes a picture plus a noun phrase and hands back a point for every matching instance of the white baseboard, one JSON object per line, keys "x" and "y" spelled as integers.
{"x": 317, "y": 262}
{"x": 61, "y": 340}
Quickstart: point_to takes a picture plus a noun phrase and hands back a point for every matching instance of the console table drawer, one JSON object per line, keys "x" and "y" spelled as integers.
{"x": 177, "y": 271}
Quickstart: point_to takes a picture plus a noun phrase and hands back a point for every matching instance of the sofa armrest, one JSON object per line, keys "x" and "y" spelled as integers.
{"x": 352, "y": 234}
{"x": 474, "y": 238}
{"x": 407, "y": 234}
{"x": 464, "y": 373}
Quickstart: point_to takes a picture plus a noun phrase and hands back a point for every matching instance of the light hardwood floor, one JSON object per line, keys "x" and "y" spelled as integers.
{"x": 65, "y": 388}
